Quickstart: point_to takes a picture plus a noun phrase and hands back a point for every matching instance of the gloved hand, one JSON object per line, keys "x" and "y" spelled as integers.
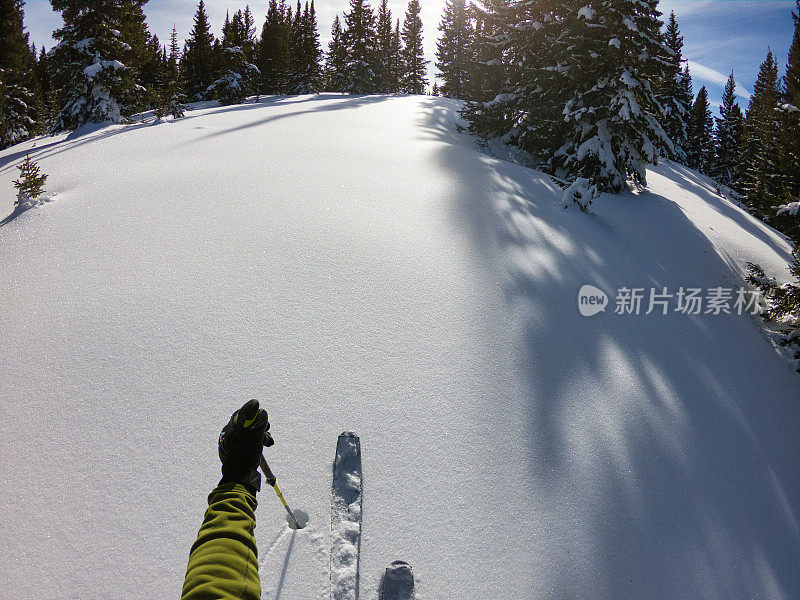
{"x": 241, "y": 443}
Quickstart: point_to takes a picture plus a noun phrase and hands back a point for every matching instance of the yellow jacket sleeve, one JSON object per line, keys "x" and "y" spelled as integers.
{"x": 223, "y": 562}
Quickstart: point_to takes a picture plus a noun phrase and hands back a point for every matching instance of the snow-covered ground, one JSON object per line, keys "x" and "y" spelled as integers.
{"x": 356, "y": 264}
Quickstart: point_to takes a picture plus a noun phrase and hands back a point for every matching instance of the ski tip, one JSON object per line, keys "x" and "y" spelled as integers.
{"x": 398, "y": 582}
{"x": 348, "y": 446}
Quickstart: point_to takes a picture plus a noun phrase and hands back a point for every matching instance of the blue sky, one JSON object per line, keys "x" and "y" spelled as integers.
{"x": 719, "y": 35}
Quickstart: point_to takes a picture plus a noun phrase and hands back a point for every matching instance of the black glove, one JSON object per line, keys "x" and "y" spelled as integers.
{"x": 241, "y": 443}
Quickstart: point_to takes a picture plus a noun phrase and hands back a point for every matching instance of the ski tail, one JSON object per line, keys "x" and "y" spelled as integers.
{"x": 397, "y": 582}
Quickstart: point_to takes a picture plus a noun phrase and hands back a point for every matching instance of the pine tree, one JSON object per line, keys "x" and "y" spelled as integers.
{"x": 507, "y": 81}
{"x": 789, "y": 114}
{"x": 296, "y": 47}
{"x": 388, "y": 52}
{"x": 304, "y": 52}
{"x": 435, "y": 89}
{"x": 454, "y": 49}
{"x": 336, "y": 59}
{"x": 142, "y": 55}
{"x": 700, "y": 148}
{"x": 47, "y": 107}
{"x": 415, "y": 65}
{"x": 727, "y": 135}
{"x": 495, "y": 85}
{"x": 94, "y": 84}
{"x": 239, "y": 32}
{"x": 397, "y": 64}
{"x": 360, "y": 39}
{"x": 239, "y": 77}
{"x": 17, "y": 81}
{"x": 793, "y": 62}
{"x": 248, "y": 28}
{"x": 611, "y": 109}
{"x": 273, "y": 49}
{"x": 174, "y": 53}
{"x": 313, "y": 52}
{"x": 675, "y": 93}
{"x": 171, "y": 98}
{"x": 758, "y": 174}
{"x": 199, "y": 62}
{"x": 496, "y": 23}
{"x": 30, "y": 184}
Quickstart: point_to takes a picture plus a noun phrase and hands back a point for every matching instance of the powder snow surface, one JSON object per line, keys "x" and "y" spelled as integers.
{"x": 356, "y": 264}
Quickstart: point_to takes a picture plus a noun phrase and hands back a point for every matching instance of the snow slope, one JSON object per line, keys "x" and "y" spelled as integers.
{"x": 357, "y": 265}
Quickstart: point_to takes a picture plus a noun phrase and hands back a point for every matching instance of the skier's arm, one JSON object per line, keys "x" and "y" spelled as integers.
{"x": 223, "y": 561}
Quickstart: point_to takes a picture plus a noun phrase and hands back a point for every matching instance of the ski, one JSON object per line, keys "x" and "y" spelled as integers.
{"x": 397, "y": 582}
{"x": 346, "y": 503}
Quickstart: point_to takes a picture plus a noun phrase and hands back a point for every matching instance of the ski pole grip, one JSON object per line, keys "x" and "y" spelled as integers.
{"x": 267, "y": 471}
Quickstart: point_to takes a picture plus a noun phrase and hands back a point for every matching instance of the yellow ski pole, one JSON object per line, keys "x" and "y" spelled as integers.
{"x": 272, "y": 481}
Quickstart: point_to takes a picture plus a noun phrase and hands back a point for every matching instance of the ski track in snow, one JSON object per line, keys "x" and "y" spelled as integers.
{"x": 356, "y": 264}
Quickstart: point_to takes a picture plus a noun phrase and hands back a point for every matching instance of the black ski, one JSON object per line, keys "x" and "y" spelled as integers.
{"x": 346, "y": 503}
{"x": 397, "y": 582}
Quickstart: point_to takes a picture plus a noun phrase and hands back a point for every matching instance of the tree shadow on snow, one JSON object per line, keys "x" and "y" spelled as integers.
{"x": 324, "y": 103}
{"x": 72, "y": 141}
{"x": 76, "y": 139}
{"x": 653, "y": 432}
{"x": 44, "y": 199}
{"x": 14, "y": 214}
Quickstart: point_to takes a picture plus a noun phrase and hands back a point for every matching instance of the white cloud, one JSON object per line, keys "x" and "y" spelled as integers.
{"x": 713, "y": 76}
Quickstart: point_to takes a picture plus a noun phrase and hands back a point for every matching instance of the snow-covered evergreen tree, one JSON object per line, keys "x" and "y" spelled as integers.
{"x": 313, "y": 76}
{"x": 454, "y": 49}
{"x": 516, "y": 94}
{"x": 389, "y": 58}
{"x": 143, "y": 53}
{"x": 304, "y": 52}
{"x": 171, "y": 97}
{"x": 336, "y": 59}
{"x": 700, "y": 145}
{"x": 397, "y": 64}
{"x": 199, "y": 63}
{"x": 248, "y": 28}
{"x": 415, "y": 65}
{"x": 237, "y": 82}
{"x": 17, "y": 77}
{"x": 47, "y": 105}
{"x": 360, "y": 41}
{"x": 295, "y": 50}
{"x": 239, "y": 31}
{"x": 789, "y": 113}
{"x": 273, "y": 48}
{"x": 759, "y": 178}
{"x": 675, "y": 93}
{"x": 240, "y": 76}
{"x": 610, "y": 56}
{"x": 94, "y": 83}
{"x": 174, "y": 53}
{"x": 495, "y": 25}
{"x": 792, "y": 77}
{"x": 727, "y": 135}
